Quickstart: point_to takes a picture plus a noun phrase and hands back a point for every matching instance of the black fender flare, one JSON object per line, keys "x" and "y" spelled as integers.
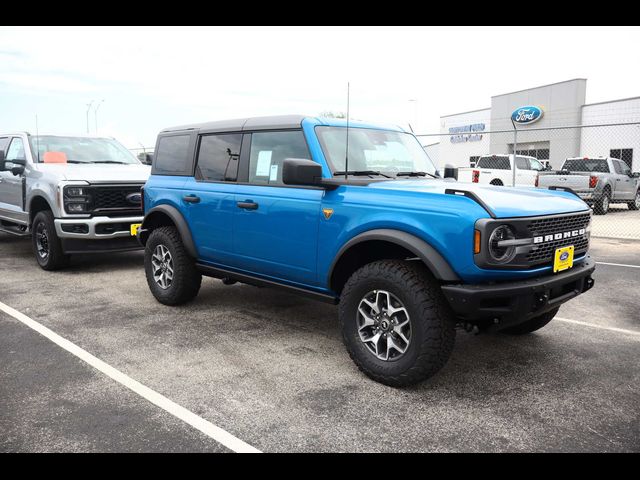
{"x": 425, "y": 252}
{"x": 178, "y": 220}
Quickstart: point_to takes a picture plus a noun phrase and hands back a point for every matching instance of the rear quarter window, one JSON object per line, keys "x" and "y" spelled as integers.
{"x": 174, "y": 155}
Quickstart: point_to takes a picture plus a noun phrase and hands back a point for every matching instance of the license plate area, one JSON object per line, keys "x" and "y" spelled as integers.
{"x": 563, "y": 259}
{"x": 134, "y": 228}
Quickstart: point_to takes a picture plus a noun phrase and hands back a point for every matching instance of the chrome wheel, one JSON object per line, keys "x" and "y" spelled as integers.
{"x": 638, "y": 201}
{"x": 162, "y": 265}
{"x": 42, "y": 241}
{"x": 605, "y": 204}
{"x": 384, "y": 325}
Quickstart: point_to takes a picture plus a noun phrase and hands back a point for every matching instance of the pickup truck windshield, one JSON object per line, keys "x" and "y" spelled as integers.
{"x": 372, "y": 150}
{"x": 82, "y": 149}
{"x": 586, "y": 165}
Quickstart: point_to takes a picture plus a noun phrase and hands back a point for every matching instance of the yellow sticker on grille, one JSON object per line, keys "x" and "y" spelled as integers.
{"x": 563, "y": 259}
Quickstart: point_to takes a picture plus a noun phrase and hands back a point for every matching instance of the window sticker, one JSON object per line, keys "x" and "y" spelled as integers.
{"x": 264, "y": 163}
{"x": 273, "y": 175}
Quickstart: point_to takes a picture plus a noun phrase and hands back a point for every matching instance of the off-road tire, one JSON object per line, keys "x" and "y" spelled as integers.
{"x": 496, "y": 182}
{"x": 186, "y": 277}
{"x": 536, "y": 323}
{"x": 55, "y": 257}
{"x": 432, "y": 321}
{"x": 601, "y": 206}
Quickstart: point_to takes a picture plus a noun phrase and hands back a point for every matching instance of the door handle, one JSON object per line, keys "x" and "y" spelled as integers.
{"x": 191, "y": 198}
{"x": 249, "y": 205}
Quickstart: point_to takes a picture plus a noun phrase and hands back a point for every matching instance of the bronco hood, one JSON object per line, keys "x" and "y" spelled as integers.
{"x": 97, "y": 172}
{"x": 504, "y": 201}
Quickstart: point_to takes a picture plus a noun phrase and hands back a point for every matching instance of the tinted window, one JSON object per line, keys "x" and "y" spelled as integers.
{"x": 269, "y": 149}
{"x": 522, "y": 163}
{"x": 16, "y": 150}
{"x": 536, "y": 165}
{"x": 218, "y": 157}
{"x": 586, "y": 165}
{"x": 500, "y": 163}
{"x": 172, "y": 155}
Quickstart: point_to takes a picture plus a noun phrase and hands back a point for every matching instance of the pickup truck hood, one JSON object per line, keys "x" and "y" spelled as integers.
{"x": 97, "y": 172}
{"x": 504, "y": 201}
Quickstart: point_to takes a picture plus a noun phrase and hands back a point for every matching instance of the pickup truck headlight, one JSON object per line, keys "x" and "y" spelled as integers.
{"x": 76, "y": 199}
{"x": 497, "y": 250}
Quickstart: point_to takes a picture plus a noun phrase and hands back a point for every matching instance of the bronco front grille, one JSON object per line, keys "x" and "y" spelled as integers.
{"x": 544, "y": 252}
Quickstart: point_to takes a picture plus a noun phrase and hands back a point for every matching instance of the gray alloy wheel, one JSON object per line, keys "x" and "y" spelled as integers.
{"x": 42, "y": 240}
{"x": 605, "y": 204}
{"x": 162, "y": 264}
{"x": 384, "y": 325}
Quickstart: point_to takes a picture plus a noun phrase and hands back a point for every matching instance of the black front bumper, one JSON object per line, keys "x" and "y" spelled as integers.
{"x": 117, "y": 244}
{"x": 505, "y": 304}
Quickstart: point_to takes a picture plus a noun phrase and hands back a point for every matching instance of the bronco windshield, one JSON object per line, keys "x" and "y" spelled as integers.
{"x": 82, "y": 149}
{"x": 383, "y": 152}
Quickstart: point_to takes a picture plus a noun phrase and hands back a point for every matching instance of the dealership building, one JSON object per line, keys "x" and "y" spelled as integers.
{"x": 607, "y": 128}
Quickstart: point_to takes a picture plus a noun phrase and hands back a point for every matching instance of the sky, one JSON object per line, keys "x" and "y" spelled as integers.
{"x": 145, "y": 79}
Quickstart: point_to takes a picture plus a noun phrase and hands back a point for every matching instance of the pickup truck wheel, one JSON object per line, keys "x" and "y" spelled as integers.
{"x": 536, "y": 323}
{"x": 635, "y": 205}
{"x": 495, "y": 181}
{"x": 46, "y": 244}
{"x": 397, "y": 326}
{"x": 171, "y": 273}
{"x": 601, "y": 206}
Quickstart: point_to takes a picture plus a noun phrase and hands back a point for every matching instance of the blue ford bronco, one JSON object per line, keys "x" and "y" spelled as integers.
{"x": 357, "y": 215}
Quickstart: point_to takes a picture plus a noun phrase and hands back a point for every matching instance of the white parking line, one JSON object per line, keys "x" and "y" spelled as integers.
{"x": 618, "y": 264}
{"x": 601, "y": 327}
{"x": 199, "y": 423}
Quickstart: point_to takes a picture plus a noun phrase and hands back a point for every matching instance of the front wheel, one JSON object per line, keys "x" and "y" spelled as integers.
{"x": 635, "y": 205}
{"x": 171, "y": 273}
{"x": 536, "y": 323}
{"x": 396, "y": 323}
{"x": 46, "y": 244}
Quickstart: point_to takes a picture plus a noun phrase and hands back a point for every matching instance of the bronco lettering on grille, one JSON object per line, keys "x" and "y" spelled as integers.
{"x": 559, "y": 236}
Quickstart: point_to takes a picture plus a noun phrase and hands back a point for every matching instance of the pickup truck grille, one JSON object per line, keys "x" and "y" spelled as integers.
{"x": 557, "y": 224}
{"x": 112, "y": 200}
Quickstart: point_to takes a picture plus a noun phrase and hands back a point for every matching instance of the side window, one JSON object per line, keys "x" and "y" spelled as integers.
{"x": 172, "y": 155}
{"x": 522, "y": 163}
{"x": 536, "y": 165}
{"x": 269, "y": 149}
{"x": 617, "y": 167}
{"x": 16, "y": 150}
{"x": 218, "y": 157}
{"x": 625, "y": 168}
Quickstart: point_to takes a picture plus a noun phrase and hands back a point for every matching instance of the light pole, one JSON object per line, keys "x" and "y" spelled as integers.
{"x": 88, "y": 109}
{"x": 95, "y": 114}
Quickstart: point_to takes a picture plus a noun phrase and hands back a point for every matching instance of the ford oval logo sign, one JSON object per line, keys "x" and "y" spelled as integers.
{"x": 564, "y": 256}
{"x": 526, "y": 115}
{"x": 134, "y": 198}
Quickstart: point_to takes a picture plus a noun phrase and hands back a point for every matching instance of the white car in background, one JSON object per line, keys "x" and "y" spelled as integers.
{"x": 496, "y": 170}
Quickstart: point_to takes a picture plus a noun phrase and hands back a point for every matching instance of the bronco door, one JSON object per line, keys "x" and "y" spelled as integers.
{"x": 275, "y": 229}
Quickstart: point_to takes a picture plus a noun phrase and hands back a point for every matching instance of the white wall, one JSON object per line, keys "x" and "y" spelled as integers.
{"x": 457, "y": 154}
{"x": 597, "y": 141}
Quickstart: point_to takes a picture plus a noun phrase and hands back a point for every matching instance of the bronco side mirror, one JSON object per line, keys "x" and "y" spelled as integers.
{"x": 298, "y": 171}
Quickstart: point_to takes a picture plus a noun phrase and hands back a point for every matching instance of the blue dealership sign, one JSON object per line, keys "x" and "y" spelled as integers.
{"x": 527, "y": 114}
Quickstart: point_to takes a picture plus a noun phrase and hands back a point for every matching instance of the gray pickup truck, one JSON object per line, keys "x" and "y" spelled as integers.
{"x": 72, "y": 194}
{"x": 599, "y": 181}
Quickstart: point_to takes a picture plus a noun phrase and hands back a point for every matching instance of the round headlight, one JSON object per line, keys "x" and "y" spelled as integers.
{"x": 501, "y": 254}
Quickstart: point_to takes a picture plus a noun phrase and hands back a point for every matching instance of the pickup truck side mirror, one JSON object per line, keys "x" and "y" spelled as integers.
{"x": 635, "y": 174}
{"x": 17, "y": 166}
{"x": 298, "y": 171}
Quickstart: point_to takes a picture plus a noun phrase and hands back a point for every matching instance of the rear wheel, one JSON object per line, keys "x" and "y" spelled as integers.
{"x": 46, "y": 244}
{"x": 635, "y": 205}
{"x": 396, "y": 324}
{"x": 496, "y": 181}
{"x": 601, "y": 206}
{"x": 171, "y": 273}
{"x": 532, "y": 325}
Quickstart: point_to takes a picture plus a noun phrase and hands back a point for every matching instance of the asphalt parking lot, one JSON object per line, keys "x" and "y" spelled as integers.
{"x": 270, "y": 368}
{"x": 619, "y": 222}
